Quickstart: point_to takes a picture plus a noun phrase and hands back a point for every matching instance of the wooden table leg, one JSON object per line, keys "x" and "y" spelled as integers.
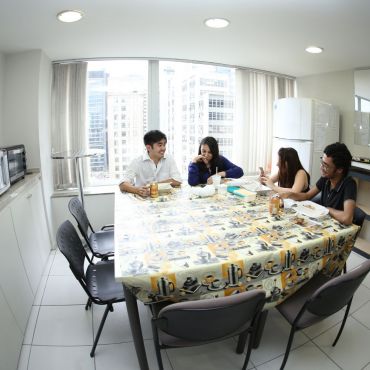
{"x": 133, "y": 315}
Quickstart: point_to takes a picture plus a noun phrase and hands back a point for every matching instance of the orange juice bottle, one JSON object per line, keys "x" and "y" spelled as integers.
{"x": 274, "y": 205}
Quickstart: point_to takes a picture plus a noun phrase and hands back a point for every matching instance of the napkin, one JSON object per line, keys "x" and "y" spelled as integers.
{"x": 207, "y": 191}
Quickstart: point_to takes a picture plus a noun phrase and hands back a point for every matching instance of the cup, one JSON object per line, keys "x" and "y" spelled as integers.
{"x": 216, "y": 180}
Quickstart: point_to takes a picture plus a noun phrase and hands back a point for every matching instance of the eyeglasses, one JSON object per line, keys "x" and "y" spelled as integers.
{"x": 324, "y": 165}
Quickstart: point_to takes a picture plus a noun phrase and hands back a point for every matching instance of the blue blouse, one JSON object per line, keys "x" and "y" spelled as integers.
{"x": 196, "y": 176}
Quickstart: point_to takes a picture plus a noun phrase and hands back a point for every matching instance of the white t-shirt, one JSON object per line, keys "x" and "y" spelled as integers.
{"x": 142, "y": 170}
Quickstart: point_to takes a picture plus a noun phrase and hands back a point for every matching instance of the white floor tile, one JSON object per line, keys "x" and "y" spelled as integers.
{"x": 352, "y": 349}
{"x": 60, "y": 265}
{"x": 214, "y": 356}
{"x": 60, "y": 358}
{"x": 363, "y": 315}
{"x": 275, "y": 338}
{"x": 49, "y": 263}
{"x": 117, "y": 326}
{"x": 306, "y": 357}
{"x": 354, "y": 260}
{"x": 63, "y": 325}
{"x": 23, "y": 358}
{"x": 319, "y": 328}
{"x": 31, "y": 325}
{"x": 366, "y": 281}
{"x": 367, "y": 367}
{"x": 361, "y": 296}
{"x": 40, "y": 290}
{"x": 123, "y": 357}
{"x": 63, "y": 290}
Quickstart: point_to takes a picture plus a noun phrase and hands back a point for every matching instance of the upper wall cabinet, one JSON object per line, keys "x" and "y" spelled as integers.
{"x": 362, "y": 107}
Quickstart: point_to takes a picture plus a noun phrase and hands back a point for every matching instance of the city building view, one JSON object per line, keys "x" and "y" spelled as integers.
{"x": 196, "y": 100}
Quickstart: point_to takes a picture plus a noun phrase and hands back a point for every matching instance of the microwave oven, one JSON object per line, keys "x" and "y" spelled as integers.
{"x": 4, "y": 172}
{"x": 16, "y": 162}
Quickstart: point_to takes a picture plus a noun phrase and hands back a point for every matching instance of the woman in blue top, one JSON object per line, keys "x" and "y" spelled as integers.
{"x": 208, "y": 161}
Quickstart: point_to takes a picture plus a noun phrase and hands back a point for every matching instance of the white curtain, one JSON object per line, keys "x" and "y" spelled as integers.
{"x": 68, "y": 118}
{"x": 255, "y": 94}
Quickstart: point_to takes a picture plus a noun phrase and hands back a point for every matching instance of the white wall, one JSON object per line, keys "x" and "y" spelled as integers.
{"x": 20, "y": 103}
{"x": 1, "y": 96}
{"x": 336, "y": 88}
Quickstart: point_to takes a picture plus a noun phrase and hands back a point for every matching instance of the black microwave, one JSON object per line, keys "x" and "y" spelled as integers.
{"x": 16, "y": 162}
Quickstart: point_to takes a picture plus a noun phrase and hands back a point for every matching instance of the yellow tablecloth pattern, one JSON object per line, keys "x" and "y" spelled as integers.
{"x": 180, "y": 247}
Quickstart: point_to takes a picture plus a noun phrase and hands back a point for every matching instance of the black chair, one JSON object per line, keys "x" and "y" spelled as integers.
{"x": 199, "y": 322}
{"x": 101, "y": 243}
{"x": 319, "y": 298}
{"x": 359, "y": 216}
{"x": 98, "y": 280}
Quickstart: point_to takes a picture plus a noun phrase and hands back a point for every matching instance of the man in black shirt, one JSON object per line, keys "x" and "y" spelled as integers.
{"x": 338, "y": 190}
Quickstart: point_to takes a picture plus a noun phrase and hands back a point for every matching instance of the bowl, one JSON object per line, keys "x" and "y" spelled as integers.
{"x": 164, "y": 188}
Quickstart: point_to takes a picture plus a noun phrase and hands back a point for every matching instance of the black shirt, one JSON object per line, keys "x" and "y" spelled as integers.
{"x": 335, "y": 198}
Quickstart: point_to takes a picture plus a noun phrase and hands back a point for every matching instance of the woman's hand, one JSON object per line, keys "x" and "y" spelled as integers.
{"x": 210, "y": 180}
{"x": 199, "y": 158}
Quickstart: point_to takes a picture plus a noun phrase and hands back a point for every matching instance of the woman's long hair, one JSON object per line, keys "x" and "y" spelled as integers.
{"x": 289, "y": 165}
{"x": 215, "y": 161}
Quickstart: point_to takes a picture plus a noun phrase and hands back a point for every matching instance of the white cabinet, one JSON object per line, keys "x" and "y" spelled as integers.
{"x": 11, "y": 337}
{"x": 13, "y": 278}
{"x": 28, "y": 224}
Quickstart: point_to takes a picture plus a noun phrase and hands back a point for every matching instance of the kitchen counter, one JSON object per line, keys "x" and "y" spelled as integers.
{"x": 18, "y": 188}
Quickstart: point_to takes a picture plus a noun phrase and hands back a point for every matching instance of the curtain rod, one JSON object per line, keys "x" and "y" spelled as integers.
{"x": 66, "y": 61}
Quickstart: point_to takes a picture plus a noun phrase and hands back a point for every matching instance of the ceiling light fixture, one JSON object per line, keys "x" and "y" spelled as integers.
{"x": 216, "y": 22}
{"x": 314, "y": 49}
{"x": 70, "y": 16}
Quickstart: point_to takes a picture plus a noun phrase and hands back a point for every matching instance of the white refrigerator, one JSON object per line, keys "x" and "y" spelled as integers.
{"x": 306, "y": 125}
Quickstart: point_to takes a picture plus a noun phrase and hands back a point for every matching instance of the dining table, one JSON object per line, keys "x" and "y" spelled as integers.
{"x": 184, "y": 246}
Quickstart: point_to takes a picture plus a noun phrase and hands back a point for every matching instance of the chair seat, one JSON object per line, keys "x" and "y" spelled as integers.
{"x": 101, "y": 282}
{"x": 293, "y": 304}
{"x": 102, "y": 242}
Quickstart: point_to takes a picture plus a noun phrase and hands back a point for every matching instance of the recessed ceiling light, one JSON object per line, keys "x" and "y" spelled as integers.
{"x": 314, "y": 49}
{"x": 217, "y": 22}
{"x": 69, "y": 16}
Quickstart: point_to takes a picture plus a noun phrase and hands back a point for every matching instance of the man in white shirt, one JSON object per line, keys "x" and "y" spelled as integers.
{"x": 154, "y": 165}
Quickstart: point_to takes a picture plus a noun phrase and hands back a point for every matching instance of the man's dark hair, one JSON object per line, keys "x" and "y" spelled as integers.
{"x": 154, "y": 136}
{"x": 340, "y": 155}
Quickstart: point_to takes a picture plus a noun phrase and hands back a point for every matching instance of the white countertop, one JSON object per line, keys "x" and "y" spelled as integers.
{"x": 365, "y": 166}
{"x": 18, "y": 188}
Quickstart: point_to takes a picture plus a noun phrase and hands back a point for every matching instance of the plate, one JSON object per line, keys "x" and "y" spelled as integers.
{"x": 311, "y": 209}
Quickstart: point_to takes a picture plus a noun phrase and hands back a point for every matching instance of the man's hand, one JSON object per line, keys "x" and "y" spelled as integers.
{"x": 143, "y": 191}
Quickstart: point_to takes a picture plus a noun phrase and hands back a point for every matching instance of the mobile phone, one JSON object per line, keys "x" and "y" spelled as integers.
{"x": 262, "y": 171}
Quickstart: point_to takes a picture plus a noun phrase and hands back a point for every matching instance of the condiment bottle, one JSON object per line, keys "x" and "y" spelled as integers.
{"x": 154, "y": 190}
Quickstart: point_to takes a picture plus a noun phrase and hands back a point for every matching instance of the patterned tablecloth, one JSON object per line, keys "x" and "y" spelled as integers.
{"x": 180, "y": 247}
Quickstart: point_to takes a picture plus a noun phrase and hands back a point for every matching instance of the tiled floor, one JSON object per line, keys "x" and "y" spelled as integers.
{"x": 60, "y": 335}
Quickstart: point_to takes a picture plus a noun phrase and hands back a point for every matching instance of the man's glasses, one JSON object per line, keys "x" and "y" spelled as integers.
{"x": 324, "y": 165}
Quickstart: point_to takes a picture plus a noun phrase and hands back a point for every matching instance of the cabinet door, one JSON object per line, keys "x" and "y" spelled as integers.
{"x": 13, "y": 277}
{"x": 11, "y": 337}
{"x": 28, "y": 238}
{"x": 39, "y": 216}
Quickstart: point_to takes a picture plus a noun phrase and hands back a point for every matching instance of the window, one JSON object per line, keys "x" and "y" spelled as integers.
{"x": 117, "y": 96}
{"x": 195, "y": 101}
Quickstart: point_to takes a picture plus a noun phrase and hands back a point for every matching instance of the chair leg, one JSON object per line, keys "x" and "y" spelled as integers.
{"x": 289, "y": 345}
{"x": 343, "y": 323}
{"x": 241, "y": 342}
{"x": 157, "y": 347}
{"x": 102, "y": 322}
{"x": 88, "y": 304}
{"x": 252, "y": 336}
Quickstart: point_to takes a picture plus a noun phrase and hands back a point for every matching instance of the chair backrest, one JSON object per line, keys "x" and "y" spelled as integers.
{"x": 359, "y": 216}
{"x": 71, "y": 246}
{"x": 210, "y": 319}
{"x": 337, "y": 292}
{"x": 78, "y": 212}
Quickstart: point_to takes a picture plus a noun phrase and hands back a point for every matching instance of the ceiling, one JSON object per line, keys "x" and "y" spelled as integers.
{"x": 264, "y": 34}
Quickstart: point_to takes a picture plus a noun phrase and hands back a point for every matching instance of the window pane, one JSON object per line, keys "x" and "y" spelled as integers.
{"x": 117, "y": 95}
{"x": 196, "y": 100}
